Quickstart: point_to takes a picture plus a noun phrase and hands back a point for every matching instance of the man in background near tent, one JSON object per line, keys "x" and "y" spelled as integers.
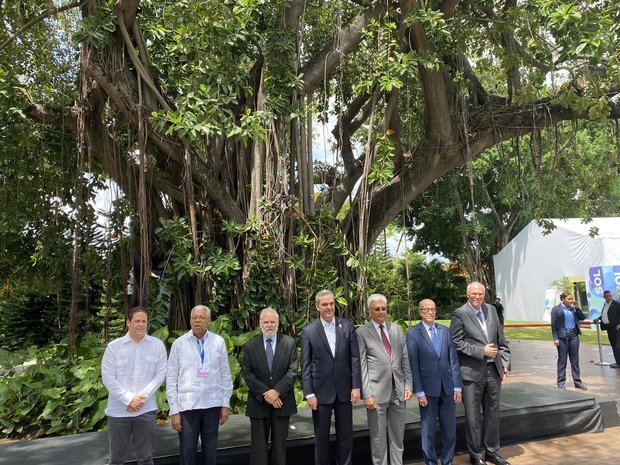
{"x": 484, "y": 357}
{"x": 497, "y": 303}
{"x": 610, "y": 321}
{"x": 132, "y": 369}
{"x": 565, "y": 318}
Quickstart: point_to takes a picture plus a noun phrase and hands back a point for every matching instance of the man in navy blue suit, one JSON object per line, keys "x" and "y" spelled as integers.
{"x": 436, "y": 382}
{"x": 330, "y": 366}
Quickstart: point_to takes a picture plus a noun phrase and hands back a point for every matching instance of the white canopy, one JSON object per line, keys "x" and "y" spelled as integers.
{"x": 527, "y": 266}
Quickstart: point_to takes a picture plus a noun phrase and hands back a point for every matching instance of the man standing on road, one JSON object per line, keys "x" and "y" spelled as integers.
{"x": 386, "y": 381}
{"x": 565, "y": 318}
{"x": 198, "y": 387}
{"x": 133, "y": 368}
{"x": 437, "y": 382}
{"x": 610, "y": 321}
{"x": 331, "y": 378}
{"x": 484, "y": 357}
{"x": 269, "y": 368}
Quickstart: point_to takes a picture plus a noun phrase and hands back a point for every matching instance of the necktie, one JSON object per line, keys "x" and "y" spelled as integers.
{"x": 269, "y": 351}
{"x": 480, "y": 316}
{"x": 386, "y": 342}
{"x": 435, "y": 339}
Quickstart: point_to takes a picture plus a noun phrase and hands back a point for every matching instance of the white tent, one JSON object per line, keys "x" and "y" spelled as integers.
{"x": 527, "y": 266}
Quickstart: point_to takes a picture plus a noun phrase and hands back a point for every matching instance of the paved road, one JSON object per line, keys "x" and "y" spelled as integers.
{"x": 535, "y": 361}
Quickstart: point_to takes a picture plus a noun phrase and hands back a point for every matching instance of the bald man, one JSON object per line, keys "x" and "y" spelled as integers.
{"x": 484, "y": 357}
{"x": 436, "y": 382}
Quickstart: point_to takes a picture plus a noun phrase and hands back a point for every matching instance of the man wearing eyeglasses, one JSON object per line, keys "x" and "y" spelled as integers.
{"x": 436, "y": 381}
{"x": 386, "y": 381}
{"x": 198, "y": 387}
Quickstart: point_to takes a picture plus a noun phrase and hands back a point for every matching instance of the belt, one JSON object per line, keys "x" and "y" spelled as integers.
{"x": 571, "y": 330}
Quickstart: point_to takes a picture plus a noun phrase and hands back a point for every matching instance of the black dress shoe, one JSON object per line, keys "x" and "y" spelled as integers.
{"x": 496, "y": 459}
{"x": 561, "y": 386}
{"x": 476, "y": 460}
{"x": 581, "y": 386}
{"x": 614, "y": 365}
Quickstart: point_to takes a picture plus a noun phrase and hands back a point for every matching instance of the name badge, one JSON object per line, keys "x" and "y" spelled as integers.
{"x": 202, "y": 373}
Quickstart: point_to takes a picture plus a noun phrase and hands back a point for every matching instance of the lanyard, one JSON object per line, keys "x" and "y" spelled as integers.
{"x": 201, "y": 350}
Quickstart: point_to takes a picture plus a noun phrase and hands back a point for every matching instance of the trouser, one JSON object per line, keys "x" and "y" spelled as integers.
{"x": 482, "y": 431}
{"x": 444, "y": 408}
{"x": 261, "y": 429}
{"x": 568, "y": 347}
{"x": 120, "y": 431}
{"x": 321, "y": 418}
{"x": 614, "y": 341}
{"x": 387, "y": 418}
{"x": 203, "y": 423}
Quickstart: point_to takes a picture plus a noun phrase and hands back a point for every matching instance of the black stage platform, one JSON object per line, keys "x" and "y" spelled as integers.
{"x": 528, "y": 411}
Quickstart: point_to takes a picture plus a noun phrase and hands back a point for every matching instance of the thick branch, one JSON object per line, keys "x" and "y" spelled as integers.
{"x": 46, "y": 14}
{"x": 345, "y": 42}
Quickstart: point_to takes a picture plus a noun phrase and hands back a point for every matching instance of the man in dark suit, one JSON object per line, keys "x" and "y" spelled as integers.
{"x": 497, "y": 303}
{"x": 269, "y": 368}
{"x": 484, "y": 357}
{"x": 610, "y": 321}
{"x": 436, "y": 382}
{"x": 565, "y": 330}
{"x": 331, "y": 378}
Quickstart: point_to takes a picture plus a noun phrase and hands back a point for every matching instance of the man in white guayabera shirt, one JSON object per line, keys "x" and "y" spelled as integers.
{"x": 133, "y": 368}
{"x": 199, "y": 386}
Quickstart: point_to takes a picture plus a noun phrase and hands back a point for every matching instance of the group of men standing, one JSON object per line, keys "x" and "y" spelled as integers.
{"x": 376, "y": 363}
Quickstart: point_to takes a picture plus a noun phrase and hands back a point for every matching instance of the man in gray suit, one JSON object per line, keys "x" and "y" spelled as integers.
{"x": 484, "y": 357}
{"x": 386, "y": 381}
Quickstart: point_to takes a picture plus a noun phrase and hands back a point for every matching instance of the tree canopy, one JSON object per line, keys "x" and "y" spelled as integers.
{"x": 205, "y": 110}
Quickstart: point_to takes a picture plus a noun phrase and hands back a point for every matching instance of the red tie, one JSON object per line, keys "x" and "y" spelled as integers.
{"x": 386, "y": 342}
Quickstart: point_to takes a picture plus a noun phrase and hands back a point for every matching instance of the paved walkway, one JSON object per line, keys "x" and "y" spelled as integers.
{"x": 535, "y": 361}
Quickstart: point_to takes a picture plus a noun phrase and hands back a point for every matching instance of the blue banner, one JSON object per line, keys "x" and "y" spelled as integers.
{"x": 600, "y": 279}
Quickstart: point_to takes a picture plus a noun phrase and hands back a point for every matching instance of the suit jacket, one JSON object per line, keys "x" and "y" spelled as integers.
{"x": 259, "y": 379}
{"x": 381, "y": 373}
{"x": 469, "y": 341}
{"x": 613, "y": 314}
{"x": 436, "y": 375}
{"x": 557, "y": 321}
{"x": 325, "y": 375}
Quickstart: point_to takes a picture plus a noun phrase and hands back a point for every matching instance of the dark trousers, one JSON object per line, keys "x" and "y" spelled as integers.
{"x": 568, "y": 347}
{"x": 482, "y": 431}
{"x": 612, "y": 334}
{"x": 322, "y": 418}
{"x": 444, "y": 408}
{"x": 203, "y": 423}
{"x": 120, "y": 431}
{"x": 260, "y": 431}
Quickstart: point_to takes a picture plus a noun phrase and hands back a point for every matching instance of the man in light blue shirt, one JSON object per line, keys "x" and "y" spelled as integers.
{"x": 565, "y": 331}
{"x": 437, "y": 382}
{"x": 133, "y": 368}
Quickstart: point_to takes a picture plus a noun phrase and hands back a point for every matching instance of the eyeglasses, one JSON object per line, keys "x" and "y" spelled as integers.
{"x": 428, "y": 310}
{"x": 199, "y": 318}
{"x": 378, "y": 309}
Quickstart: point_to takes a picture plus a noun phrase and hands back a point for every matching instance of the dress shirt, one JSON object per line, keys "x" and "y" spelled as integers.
{"x": 604, "y": 315}
{"x": 188, "y": 391}
{"x": 569, "y": 318}
{"x": 482, "y": 325}
{"x": 428, "y": 332}
{"x": 385, "y": 331}
{"x": 330, "y": 332}
{"x": 132, "y": 368}
{"x": 273, "y": 342}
